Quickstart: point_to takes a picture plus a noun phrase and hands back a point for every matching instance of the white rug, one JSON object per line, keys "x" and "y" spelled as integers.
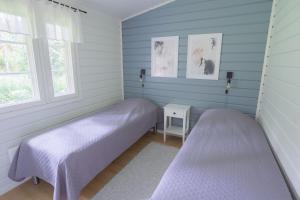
{"x": 139, "y": 178}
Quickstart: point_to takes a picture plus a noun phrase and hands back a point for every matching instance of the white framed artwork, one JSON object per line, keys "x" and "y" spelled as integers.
{"x": 204, "y": 54}
{"x": 164, "y": 56}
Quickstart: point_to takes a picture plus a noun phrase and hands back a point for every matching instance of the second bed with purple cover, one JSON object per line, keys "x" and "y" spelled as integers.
{"x": 226, "y": 157}
{"x": 72, "y": 155}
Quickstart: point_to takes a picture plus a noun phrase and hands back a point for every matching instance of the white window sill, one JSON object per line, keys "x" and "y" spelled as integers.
{"x": 16, "y": 109}
{"x": 20, "y": 105}
{"x": 66, "y": 98}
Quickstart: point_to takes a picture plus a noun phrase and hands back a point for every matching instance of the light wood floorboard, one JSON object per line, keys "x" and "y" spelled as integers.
{"x": 44, "y": 191}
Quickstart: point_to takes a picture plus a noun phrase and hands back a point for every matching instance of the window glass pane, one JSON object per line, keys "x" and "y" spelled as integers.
{"x": 4, "y": 36}
{"x": 60, "y": 67}
{"x": 16, "y": 78}
{"x": 60, "y": 82}
{"x": 13, "y": 58}
{"x": 3, "y": 65}
{"x": 15, "y": 88}
{"x": 57, "y": 55}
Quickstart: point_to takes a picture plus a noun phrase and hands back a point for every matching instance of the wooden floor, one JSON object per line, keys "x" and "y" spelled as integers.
{"x": 44, "y": 191}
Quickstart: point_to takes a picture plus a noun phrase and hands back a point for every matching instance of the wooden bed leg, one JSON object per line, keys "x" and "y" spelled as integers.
{"x": 155, "y": 128}
{"x": 35, "y": 180}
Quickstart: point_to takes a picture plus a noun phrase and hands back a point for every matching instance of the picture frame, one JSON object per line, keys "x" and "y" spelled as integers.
{"x": 203, "y": 56}
{"x": 164, "y": 56}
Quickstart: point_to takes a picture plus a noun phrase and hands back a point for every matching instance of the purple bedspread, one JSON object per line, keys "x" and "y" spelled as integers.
{"x": 226, "y": 157}
{"x": 72, "y": 155}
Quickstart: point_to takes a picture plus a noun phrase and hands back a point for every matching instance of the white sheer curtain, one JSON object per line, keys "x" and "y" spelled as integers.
{"x": 41, "y": 19}
{"x": 16, "y": 16}
{"x": 57, "y": 22}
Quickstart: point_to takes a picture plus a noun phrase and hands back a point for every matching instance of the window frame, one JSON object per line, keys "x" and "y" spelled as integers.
{"x": 42, "y": 73}
{"x": 73, "y": 53}
{"x": 33, "y": 73}
{"x": 38, "y": 54}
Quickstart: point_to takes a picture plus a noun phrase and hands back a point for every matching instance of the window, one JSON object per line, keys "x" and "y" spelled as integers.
{"x": 37, "y": 46}
{"x": 61, "y": 67}
{"x": 18, "y": 81}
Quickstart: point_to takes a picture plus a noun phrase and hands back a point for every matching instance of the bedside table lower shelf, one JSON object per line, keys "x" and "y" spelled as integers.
{"x": 174, "y": 130}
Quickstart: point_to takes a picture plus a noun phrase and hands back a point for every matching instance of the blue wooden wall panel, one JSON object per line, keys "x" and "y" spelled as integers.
{"x": 244, "y": 24}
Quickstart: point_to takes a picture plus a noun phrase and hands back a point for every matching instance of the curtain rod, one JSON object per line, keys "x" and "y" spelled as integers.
{"x": 62, "y": 4}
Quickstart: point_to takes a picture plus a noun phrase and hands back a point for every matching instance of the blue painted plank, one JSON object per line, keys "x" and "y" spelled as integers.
{"x": 182, "y": 7}
{"x": 255, "y": 18}
{"x": 205, "y": 15}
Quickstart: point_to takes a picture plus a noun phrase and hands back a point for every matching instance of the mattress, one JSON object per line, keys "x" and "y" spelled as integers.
{"x": 226, "y": 157}
{"x": 72, "y": 155}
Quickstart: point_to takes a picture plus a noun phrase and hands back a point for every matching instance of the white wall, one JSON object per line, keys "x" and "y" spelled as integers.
{"x": 279, "y": 103}
{"x": 101, "y": 85}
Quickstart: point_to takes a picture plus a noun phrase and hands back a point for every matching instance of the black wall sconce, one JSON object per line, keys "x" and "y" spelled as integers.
{"x": 229, "y": 78}
{"x": 142, "y": 76}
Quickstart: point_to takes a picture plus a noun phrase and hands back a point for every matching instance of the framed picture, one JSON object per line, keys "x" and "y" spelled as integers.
{"x": 204, "y": 53}
{"x": 164, "y": 56}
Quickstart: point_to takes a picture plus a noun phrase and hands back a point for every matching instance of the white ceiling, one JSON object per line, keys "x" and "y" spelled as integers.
{"x": 125, "y": 9}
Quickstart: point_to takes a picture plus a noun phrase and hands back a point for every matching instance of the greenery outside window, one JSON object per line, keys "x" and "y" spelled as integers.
{"x": 18, "y": 80}
{"x": 60, "y": 55}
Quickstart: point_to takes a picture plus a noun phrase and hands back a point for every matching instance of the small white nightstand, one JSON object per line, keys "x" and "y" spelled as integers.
{"x": 176, "y": 111}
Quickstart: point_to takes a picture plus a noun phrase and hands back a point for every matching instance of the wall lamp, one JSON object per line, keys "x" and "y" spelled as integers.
{"x": 229, "y": 77}
{"x": 142, "y": 76}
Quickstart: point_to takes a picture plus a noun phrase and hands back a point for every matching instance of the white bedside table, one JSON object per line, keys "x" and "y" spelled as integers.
{"x": 176, "y": 111}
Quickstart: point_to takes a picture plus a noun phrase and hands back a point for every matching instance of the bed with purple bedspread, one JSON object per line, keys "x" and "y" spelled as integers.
{"x": 226, "y": 157}
{"x": 72, "y": 155}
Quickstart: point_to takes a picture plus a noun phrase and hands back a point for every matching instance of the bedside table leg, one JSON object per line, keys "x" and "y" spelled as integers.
{"x": 165, "y": 127}
{"x": 184, "y": 129}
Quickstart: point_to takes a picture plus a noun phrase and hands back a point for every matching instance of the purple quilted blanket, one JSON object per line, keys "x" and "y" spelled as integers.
{"x": 72, "y": 155}
{"x": 226, "y": 157}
